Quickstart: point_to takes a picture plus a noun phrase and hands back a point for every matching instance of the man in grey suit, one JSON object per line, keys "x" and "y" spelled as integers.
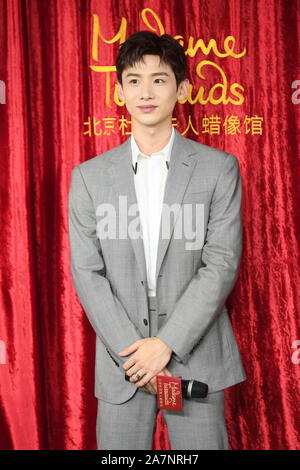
{"x": 156, "y": 239}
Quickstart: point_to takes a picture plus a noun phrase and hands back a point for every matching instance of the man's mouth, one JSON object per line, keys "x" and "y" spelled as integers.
{"x": 147, "y": 109}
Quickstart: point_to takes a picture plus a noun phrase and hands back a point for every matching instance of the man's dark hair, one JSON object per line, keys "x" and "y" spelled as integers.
{"x": 146, "y": 42}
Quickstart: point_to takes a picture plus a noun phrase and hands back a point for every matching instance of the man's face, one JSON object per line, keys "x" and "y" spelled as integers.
{"x": 149, "y": 91}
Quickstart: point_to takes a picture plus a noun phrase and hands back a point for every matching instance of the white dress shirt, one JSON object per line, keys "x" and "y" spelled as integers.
{"x": 149, "y": 180}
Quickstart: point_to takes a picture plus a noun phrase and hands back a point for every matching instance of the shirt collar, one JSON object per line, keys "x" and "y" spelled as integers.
{"x": 165, "y": 152}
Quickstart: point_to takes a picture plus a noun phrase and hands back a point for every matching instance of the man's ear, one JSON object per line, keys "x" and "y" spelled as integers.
{"x": 120, "y": 92}
{"x": 183, "y": 89}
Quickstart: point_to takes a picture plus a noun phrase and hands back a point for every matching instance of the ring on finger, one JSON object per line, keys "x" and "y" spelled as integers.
{"x": 138, "y": 376}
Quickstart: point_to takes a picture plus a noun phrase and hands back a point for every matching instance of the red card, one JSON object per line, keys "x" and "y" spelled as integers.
{"x": 169, "y": 393}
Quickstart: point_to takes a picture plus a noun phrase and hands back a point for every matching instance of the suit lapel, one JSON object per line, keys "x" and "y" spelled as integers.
{"x": 180, "y": 171}
{"x": 181, "y": 168}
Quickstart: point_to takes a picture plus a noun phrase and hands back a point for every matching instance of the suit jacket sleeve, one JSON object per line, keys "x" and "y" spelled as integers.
{"x": 104, "y": 311}
{"x": 207, "y": 291}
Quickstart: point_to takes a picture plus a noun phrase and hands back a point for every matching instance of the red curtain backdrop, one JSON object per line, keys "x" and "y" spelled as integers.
{"x": 57, "y": 111}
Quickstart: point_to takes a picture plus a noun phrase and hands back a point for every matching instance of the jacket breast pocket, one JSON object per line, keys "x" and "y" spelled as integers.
{"x": 196, "y": 196}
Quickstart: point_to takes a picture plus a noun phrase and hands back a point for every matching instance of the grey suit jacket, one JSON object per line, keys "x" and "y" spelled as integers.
{"x": 109, "y": 273}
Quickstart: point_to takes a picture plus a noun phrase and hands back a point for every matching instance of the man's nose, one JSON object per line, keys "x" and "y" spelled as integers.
{"x": 146, "y": 92}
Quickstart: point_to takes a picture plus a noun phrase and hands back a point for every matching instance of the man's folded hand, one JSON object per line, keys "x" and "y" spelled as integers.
{"x": 150, "y": 356}
{"x": 151, "y": 386}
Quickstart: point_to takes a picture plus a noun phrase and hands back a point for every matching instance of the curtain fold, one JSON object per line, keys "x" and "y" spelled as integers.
{"x": 57, "y": 111}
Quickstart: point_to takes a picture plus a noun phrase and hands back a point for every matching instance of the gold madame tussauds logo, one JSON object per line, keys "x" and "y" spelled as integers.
{"x": 221, "y": 92}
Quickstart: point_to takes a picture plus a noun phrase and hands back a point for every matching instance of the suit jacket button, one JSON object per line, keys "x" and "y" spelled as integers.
{"x": 145, "y": 321}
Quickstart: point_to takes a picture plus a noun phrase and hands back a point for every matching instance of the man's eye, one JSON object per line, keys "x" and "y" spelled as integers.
{"x": 133, "y": 81}
{"x": 159, "y": 80}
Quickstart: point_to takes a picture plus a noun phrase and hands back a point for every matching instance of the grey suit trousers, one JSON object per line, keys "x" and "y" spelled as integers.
{"x": 130, "y": 425}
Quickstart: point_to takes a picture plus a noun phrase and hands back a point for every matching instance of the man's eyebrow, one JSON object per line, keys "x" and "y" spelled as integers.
{"x": 152, "y": 74}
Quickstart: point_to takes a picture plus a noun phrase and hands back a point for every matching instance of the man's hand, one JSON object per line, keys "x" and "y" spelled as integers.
{"x": 150, "y": 356}
{"x": 151, "y": 386}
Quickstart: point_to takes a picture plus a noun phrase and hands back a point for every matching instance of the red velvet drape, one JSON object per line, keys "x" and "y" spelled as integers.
{"x": 49, "y": 97}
